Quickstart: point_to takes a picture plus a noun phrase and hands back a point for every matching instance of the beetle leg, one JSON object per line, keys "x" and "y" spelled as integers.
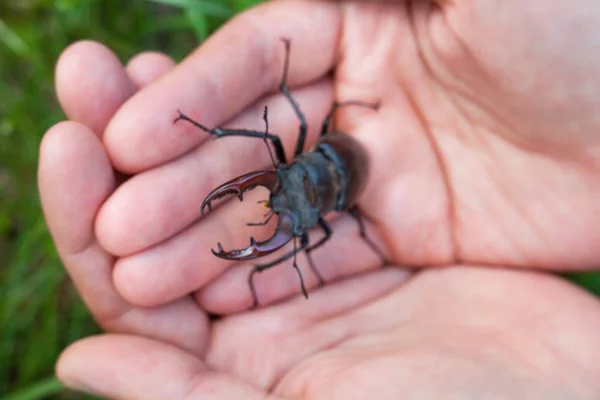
{"x": 262, "y": 267}
{"x": 327, "y": 229}
{"x": 219, "y": 132}
{"x": 338, "y": 104}
{"x": 266, "y": 136}
{"x": 240, "y": 184}
{"x": 284, "y": 88}
{"x": 283, "y": 234}
{"x": 354, "y": 212}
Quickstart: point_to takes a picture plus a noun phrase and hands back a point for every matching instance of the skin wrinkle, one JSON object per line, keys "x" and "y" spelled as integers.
{"x": 502, "y": 128}
{"x": 502, "y": 309}
{"x": 503, "y": 188}
{"x": 555, "y": 350}
{"x": 542, "y": 348}
{"x": 298, "y": 329}
{"x": 197, "y": 378}
{"x": 72, "y": 259}
{"x": 114, "y": 322}
{"x": 503, "y": 337}
{"x": 341, "y": 81}
{"x": 342, "y": 313}
{"x": 512, "y": 206}
{"x": 454, "y": 86}
{"x": 483, "y": 352}
{"x": 376, "y": 50}
{"x": 456, "y": 253}
{"x": 249, "y": 362}
{"x": 470, "y": 97}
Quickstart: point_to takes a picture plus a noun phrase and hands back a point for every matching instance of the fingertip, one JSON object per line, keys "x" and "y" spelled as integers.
{"x": 147, "y": 67}
{"x": 68, "y": 360}
{"x": 74, "y": 178}
{"x": 91, "y": 84}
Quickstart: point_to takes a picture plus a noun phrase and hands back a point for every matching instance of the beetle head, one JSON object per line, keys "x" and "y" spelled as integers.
{"x": 284, "y": 231}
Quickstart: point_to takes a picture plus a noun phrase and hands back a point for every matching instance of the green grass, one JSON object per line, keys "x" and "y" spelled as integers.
{"x": 40, "y": 313}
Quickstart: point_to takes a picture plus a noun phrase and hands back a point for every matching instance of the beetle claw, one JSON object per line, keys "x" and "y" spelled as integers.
{"x": 283, "y": 234}
{"x": 205, "y": 205}
{"x": 239, "y": 185}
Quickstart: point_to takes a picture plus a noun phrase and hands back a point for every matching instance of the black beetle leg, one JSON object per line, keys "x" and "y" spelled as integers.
{"x": 283, "y": 87}
{"x": 266, "y": 136}
{"x": 338, "y": 104}
{"x": 327, "y": 229}
{"x": 219, "y": 132}
{"x": 354, "y": 212}
{"x": 262, "y": 267}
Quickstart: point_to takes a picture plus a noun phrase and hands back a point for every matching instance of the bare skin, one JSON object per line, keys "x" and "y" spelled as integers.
{"x": 486, "y": 156}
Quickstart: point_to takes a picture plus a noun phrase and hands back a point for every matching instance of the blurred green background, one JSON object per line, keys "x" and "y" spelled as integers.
{"x": 40, "y": 313}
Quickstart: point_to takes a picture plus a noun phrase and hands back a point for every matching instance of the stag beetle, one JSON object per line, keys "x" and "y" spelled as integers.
{"x": 330, "y": 177}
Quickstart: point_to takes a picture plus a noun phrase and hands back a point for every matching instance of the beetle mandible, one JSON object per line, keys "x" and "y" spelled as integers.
{"x": 330, "y": 177}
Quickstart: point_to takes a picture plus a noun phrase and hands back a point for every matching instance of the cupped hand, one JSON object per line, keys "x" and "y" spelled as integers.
{"x": 483, "y": 152}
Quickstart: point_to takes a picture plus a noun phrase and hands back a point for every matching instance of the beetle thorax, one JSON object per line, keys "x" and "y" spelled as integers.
{"x": 307, "y": 188}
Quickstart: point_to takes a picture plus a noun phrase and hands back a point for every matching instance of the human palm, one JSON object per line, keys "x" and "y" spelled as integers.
{"x": 476, "y": 160}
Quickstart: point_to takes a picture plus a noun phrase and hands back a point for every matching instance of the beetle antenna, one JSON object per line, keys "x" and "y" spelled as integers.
{"x": 265, "y": 136}
{"x": 269, "y": 215}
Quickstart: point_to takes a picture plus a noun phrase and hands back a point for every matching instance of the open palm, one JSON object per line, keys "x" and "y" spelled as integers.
{"x": 484, "y": 152}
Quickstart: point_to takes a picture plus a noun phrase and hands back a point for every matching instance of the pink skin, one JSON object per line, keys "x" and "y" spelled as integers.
{"x": 485, "y": 153}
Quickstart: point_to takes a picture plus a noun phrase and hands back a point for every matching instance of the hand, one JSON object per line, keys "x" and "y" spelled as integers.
{"x": 476, "y": 159}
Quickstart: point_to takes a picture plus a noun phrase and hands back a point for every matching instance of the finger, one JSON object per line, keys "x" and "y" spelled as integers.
{"x": 70, "y": 202}
{"x": 75, "y": 177}
{"x": 236, "y": 66}
{"x": 147, "y": 67}
{"x": 130, "y": 367}
{"x": 344, "y": 255}
{"x": 172, "y": 194}
{"x": 91, "y": 84}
